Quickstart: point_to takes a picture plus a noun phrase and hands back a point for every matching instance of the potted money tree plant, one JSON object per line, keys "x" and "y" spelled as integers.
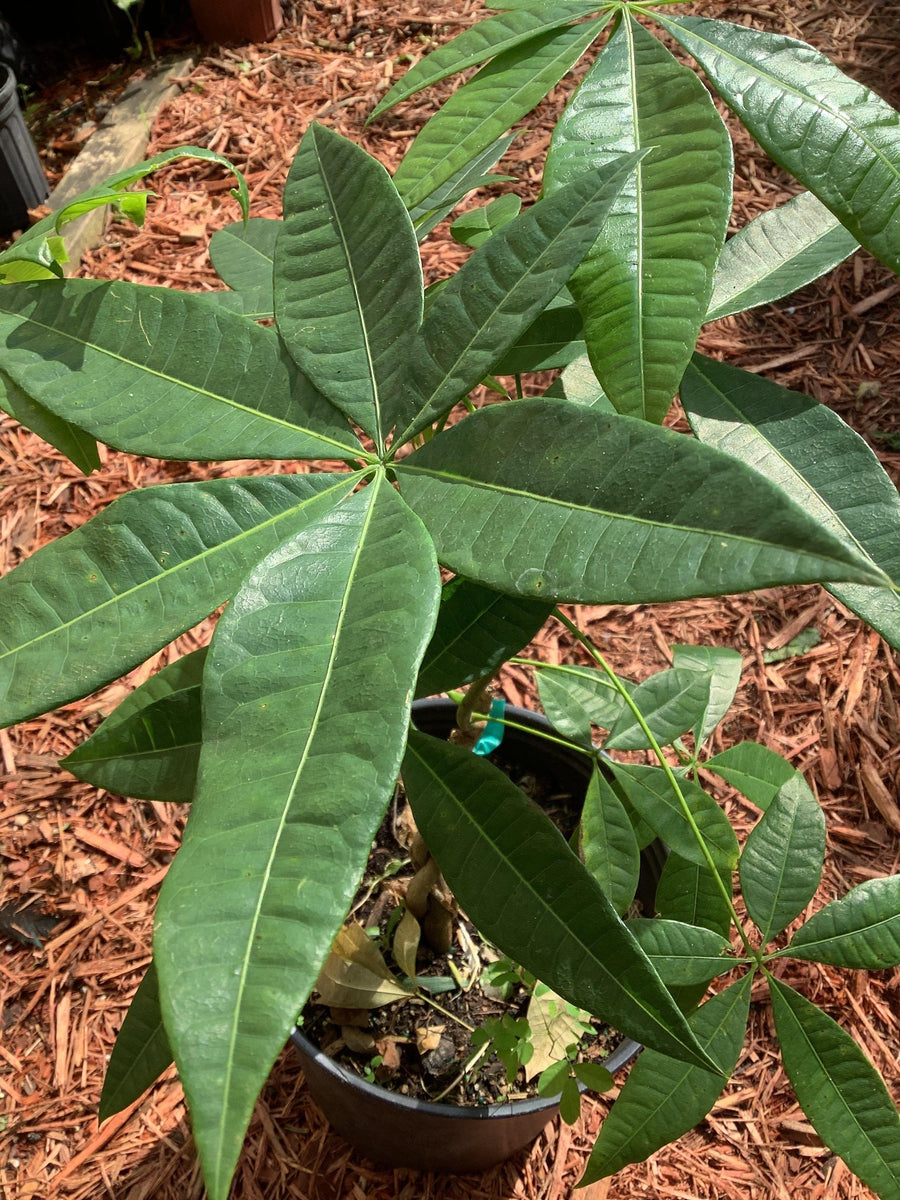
{"x": 300, "y": 706}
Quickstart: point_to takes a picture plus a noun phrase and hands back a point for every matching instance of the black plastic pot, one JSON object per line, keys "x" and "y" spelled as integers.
{"x": 399, "y": 1131}
{"x": 23, "y": 184}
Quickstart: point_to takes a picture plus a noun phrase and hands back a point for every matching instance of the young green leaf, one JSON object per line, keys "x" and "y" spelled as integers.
{"x": 861, "y": 929}
{"x": 670, "y": 702}
{"x": 141, "y": 1052}
{"x": 837, "y": 137}
{"x": 723, "y": 666}
{"x": 473, "y": 46}
{"x": 776, "y": 253}
{"x": 645, "y": 284}
{"x": 595, "y": 1077}
{"x": 662, "y": 1098}
{"x": 683, "y": 954}
{"x": 307, "y": 692}
{"x": 243, "y": 255}
{"x": 348, "y": 279}
{"x": 839, "y": 1090}
{"x": 475, "y": 227}
{"x": 79, "y": 447}
{"x": 816, "y": 459}
{"x": 181, "y": 378}
{"x": 431, "y": 211}
{"x": 756, "y": 771}
{"x": 85, "y": 609}
{"x": 575, "y": 698}
{"x": 649, "y": 791}
{"x": 688, "y": 892}
{"x": 149, "y": 747}
{"x": 487, "y": 106}
{"x": 554, "y": 918}
{"x": 781, "y": 863}
{"x": 608, "y": 844}
{"x": 609, "y": 510}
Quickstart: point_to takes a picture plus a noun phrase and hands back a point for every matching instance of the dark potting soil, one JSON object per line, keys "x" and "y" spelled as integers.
{"x": 420, "y": 1048}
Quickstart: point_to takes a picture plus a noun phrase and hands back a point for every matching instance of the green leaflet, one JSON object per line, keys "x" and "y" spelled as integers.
{"x": 723, "y": 667}
{"x": 141, "y": 1052}
{"x": 165, "y": 373}
{"x": 816, "y": 459}
{"x": 606, "y": 509}
{"x": 79, "y": 447}
{"x": 662, "y": 1098}
{"x": 244, "y": 258}
{"x": 87, "y": 608}
{"x": 756, "y": 771}
{"x": 608, "y": 844}
{"x": 487, "y": 106}
{"x": 432, "y": 210}
{"x": 475, "y": 227}
{"x": 307, "y": 693}
{"x": 688, "y": 892}
{"x": 670, "y": 702}
{"x": 834, "y": 135}
{"x": 552, "y": 917}
{"x": 149, "y": 746}
{"x": 575, "y": 698}
{"x": 861, "y": 929}
{"x": 645, "y": 284}
{"x": 348, "y": 280}
{"x": 776, "y": 253}
{"x": 683, "y": 954}
{"x": 781, "y": 863}
{"x": 839, "y": 1090}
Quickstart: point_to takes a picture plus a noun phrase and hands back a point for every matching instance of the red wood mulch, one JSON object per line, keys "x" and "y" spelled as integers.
{"x": 96, "y": 860}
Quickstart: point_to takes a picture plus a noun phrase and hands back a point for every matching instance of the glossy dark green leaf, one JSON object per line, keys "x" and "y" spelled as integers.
{"x": 482, "y": 41}
{"x": 816, "y": 459}
{"x": 837, "y": 137}
{"x": 475, "y": 227}
{"x": 839, "y": 1090}
{"x": 723, "y": 667}
{"x": 776, "y": 253}
{"x": 307, "y": 693}
{"x": 688, "y": 892}
{"x": 141, "y": 1052}
{"x": 756, "y": 771}
{"x": 149, "y": 746}
{"x": 861, "y": 929}
{"x": 781, "y": 863}
{"x": 477, "y": 630}
{"x": 670, "y": 702}
{"x": 575, "y": 698}
{"x": 487, "y": 106}
{"x": 161, "y": 372}
{"x": 79, "y": 447}
{"x": 553, "y": 340}
{"x": 87, "y": 608}
{"x": 649, "y": 791}
{"x": 608, "y": 844}
{"x": 662, "y": 1098}
{"x": 244, "y": 258}
{"x": 645, "y": 284}
{"x": 431, "y": 211}
{"x": 607, "y": 509}
{"x": 683, "y": 954}
{"x": 348, "y": 279}
{"x": 552, "y": 917}
{"x": 498, "y": 293}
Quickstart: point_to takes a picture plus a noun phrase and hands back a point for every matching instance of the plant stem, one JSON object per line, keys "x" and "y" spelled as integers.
{"x": 421, "y": 993}
{"x": 669, "y": 773}
{"x": 467, "y": 1066}
{"x": 548, "y": 737}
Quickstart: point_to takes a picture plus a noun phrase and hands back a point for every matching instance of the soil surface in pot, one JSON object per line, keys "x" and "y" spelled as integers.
{"x": 421, "y": 1049}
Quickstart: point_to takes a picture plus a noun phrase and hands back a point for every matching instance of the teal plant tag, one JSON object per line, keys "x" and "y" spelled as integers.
{"x": 493, "y": 731}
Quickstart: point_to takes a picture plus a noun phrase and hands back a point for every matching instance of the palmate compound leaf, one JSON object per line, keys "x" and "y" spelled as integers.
{"x": 644, "y": 285}
{"x": 85, "y": 609}
{"x": 837, "y": 137}
{"x": 141, "y": 1052}
{"x": 503, "y": 92}
{"x": 781, "y": 863}
{"x": 307, "y": 692}
{"x": 608, "y": 509}
{"x": 498, "y": 293}
{"x": 861, "y": 929}
{"x": 525, "y": 890}
{"x": 149, "y": 746}
{"x": 161, "y": 372}
{"x": 663, "y": 1098}
{"x": 816, "y": 459}
{"x": 348, "y": 280}
{"x": 840, "y": 1091}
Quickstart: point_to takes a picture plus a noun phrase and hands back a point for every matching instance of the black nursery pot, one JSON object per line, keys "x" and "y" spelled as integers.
{"x": 403, "y": 1132}
{"x": 23, "y": 184}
